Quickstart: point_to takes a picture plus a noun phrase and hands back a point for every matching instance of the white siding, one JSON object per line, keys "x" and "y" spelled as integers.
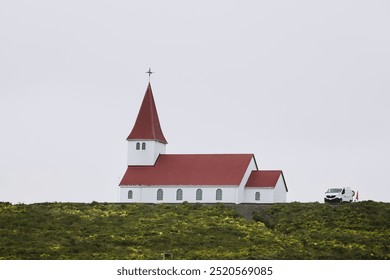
{"x": 241, "y": 189}
{"x": 144, "y": 157}
{"x": 266, "y": 195}
{"x": 149, "y": 194}
{"x": 280, "y": 191}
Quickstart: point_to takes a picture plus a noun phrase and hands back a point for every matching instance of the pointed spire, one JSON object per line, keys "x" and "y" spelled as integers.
{"x": 147, "y": 126}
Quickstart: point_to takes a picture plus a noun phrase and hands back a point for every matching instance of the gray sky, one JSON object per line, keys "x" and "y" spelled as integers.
{"x": 303, "y": 85}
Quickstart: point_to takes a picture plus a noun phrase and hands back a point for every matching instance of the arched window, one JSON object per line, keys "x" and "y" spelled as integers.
{"x": 218, "y": 194}
{"x": 179, "y": 194}
{"x": 130, "y": 194}
{"x": 257, "y": 196}
{"x": 199, "y": 194}
{"x": 137, "y": 146}
{"x": 143, "y": 146}
{"x": 160, "y": 194}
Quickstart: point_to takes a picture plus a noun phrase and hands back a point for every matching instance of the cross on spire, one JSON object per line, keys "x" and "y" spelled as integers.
{"x": 150, "y": 73}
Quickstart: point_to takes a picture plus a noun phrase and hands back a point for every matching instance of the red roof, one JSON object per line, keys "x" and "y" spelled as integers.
{"x": 200, "y": 169}
{"x": 264, "y": 179}
{"x": 147, "y": 126}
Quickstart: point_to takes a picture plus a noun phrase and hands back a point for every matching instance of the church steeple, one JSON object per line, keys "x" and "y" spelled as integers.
{"x": 147, "y": 126}
{"x": 146, "y": 141}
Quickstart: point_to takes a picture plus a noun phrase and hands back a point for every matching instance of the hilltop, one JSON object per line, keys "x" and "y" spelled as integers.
{"x": 195, "y": 231}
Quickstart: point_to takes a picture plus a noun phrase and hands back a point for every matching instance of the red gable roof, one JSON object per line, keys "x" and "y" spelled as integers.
{"x": 264, "y": 178}
{"x": 200, "y": 169}
{"x": 147, "y": 126}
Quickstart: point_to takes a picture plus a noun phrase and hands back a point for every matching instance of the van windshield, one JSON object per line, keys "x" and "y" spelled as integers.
{"x": 334, "y": 190}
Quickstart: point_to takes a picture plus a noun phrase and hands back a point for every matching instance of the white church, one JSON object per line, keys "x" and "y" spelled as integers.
{"x": 153, "y": 176}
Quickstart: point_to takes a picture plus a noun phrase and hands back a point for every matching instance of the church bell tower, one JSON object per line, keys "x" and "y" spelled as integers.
{"x": 146, "y": 141}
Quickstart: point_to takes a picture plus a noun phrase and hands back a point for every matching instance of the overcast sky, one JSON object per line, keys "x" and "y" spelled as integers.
{"x": 303, "y": 85}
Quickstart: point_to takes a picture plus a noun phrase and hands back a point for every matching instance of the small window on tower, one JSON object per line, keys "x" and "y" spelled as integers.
{"x": 137, "y": 146}
{"x": 143, "y": 146}
{"x": 257, "y": 196}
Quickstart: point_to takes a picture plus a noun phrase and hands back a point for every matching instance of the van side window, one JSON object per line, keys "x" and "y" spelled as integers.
{"x": 343, "y": 192}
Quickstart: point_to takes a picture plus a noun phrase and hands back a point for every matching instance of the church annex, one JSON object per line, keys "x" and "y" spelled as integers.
{"x": 152, "y": 176}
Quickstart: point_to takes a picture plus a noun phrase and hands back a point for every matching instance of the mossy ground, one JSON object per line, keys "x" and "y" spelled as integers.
{"x": 194, "y": 231}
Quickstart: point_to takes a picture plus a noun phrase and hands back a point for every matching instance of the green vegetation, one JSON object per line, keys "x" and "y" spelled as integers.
{"x": 194, "y": 231}
{"x": 345, "y": 231}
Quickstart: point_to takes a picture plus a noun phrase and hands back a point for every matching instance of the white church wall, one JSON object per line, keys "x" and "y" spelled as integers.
{"x": 266, "y": 195}
{"x": 280, "y": 191}
{"x": 149, "y": 194}
{"x": 145, "y": 156}
{"x": 241, "y": 189}
{"x": 136, "y": 194}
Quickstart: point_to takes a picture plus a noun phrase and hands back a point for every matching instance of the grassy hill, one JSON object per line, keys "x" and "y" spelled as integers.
{"x": 194, "y": 231}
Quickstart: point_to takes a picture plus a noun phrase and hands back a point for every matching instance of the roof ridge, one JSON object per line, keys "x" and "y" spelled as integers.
{"x": 195, "y": 169}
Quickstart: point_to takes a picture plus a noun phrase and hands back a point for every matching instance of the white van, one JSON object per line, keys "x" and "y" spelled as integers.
{"x": 339, "y": 195}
